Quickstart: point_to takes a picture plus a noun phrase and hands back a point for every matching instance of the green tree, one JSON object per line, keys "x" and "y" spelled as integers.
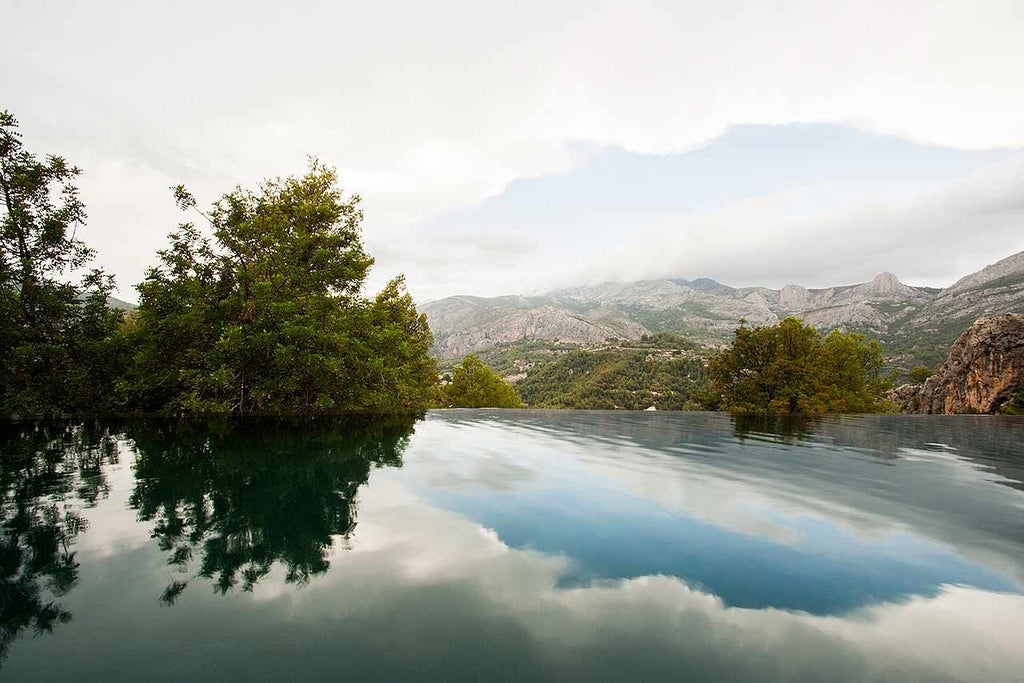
{"x": 1014, "y": 405}
{"x": 268, "y": 316}
{"x": 854, "y": 378}
{"x": 395, "y": 339}
{"x": 57, "y": 347}
{"x": 791, "y": 368}
{"x": 919, "y": 373}
{"x": 474, "y": 385}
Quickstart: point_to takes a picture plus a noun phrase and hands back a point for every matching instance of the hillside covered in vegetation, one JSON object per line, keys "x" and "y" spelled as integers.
{"x": 659, "y": 371}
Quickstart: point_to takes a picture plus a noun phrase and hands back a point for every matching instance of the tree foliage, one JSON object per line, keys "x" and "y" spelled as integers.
{"x": 920, "y": 373}
{"x": 474, "y": 385}
{"x": 57, "y": 346}
{"x": 267, "y": 315}
{"x": 791, "y": 368}
{"x": 1014, "y": 405}
{"x": 213, "y": 490}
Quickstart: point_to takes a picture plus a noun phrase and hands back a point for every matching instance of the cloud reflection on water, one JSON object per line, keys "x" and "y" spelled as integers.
{"x": 827, "y": 516}
{"x": 426, "y": 586}
{"x": 652, "y": 627}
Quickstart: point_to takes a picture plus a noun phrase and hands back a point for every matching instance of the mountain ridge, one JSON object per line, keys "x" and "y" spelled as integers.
{"x": 915, "y": 324}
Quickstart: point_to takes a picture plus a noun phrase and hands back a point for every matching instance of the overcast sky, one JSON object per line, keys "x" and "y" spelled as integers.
{"x": 551, "y": 143}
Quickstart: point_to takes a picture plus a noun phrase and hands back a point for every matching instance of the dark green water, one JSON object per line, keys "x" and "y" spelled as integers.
{"x": 515, "y": 545}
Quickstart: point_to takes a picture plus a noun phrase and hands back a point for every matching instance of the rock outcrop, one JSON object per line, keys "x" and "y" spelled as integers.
{"x": 462, "y": 326}
{"x": 905, "y": 397}
{"x": 794, "y": 298}
{"x": 984, "y": 370}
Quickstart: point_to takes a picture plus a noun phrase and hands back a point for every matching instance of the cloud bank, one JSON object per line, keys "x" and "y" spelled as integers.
{"x": 427, "y": 110}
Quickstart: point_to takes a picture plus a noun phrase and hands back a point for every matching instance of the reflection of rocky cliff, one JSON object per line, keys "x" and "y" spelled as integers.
{"x": 231, "y": 501}
{"x": 44, "y": 470}
{"x": 984, "y": 371}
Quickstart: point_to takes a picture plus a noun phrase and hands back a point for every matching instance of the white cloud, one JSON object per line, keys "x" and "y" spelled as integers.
{"x": 428, "y": 108}
{"x": 820, "y": 236}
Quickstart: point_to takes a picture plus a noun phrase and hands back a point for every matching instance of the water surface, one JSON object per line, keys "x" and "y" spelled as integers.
{"x": 515, "y": 545}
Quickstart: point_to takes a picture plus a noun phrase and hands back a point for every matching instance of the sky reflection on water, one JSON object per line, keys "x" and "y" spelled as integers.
{"x": 744, "y": 525}
{"x": 546, "y": 546}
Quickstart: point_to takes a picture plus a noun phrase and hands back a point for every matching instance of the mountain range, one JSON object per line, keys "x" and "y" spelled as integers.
{"x": 916, "y": 325}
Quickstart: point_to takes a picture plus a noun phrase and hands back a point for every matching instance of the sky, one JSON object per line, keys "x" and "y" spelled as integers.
{"x": 520, "y": 148}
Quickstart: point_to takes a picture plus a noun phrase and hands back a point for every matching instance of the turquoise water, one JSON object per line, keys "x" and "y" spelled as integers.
{"x": 515, "y": 545}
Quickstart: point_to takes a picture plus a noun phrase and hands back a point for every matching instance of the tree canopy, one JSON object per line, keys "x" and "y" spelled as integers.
{"x": 920, "y": 373}
{"x": 474, "y": 385}
{"x": 57, "y": 351}
{"x": 792, "y": 368}
{"x": 267, "y": 316}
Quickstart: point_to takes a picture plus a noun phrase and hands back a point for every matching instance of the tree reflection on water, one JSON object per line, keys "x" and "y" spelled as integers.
{"x": 47, "y": 473}
{"x": 229, "y": 500}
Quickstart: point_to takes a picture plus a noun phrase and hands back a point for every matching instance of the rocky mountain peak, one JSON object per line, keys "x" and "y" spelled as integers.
{"x": 706, "y": 284}
{"x": 794, "y": 297}
{"x": 1009, "y": 268}
{"x": 885, "y": 283}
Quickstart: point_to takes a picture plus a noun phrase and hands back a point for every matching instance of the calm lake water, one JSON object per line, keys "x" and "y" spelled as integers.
{"x": 515, "y": 545}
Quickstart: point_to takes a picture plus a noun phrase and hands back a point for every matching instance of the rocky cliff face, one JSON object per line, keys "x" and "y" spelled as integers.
{"x": 984, "y": 370}
{"x": 464, "y": 325}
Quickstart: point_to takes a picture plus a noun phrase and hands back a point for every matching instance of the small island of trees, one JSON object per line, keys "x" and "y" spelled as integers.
{"x": 792, "y": 368}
